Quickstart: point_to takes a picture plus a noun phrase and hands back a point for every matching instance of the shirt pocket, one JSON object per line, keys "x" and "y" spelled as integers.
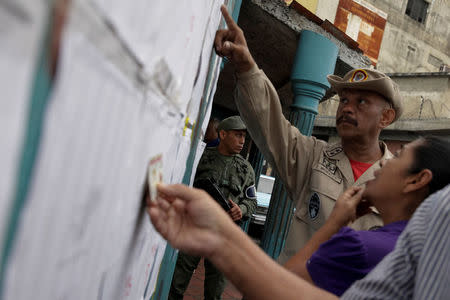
{"x": 236, "y": 185}
{"x": 321, "y": 198}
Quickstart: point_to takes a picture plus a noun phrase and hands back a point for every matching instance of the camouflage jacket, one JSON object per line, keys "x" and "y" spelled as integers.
{"x": 233, "y": 174}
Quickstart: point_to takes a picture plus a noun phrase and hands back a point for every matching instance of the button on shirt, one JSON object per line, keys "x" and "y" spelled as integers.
{"x": 349, "y": 255}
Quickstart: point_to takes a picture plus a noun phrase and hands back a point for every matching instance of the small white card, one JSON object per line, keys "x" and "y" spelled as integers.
{"x": 155, "y": 175}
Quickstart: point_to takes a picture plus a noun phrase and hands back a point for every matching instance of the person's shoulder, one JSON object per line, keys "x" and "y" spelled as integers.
{"x": 210, "y": 151}
{"x": 383, "y": 234}
{"x": 435, "y": 209}
{"x": 345, "y": 242}
{"x": 347, "y": 232}
{"x": 208, "y": 157}
{"x": 443, "y": 198}
{"x": 243, "y": 166}
{"x": 345, "y": 236}
{"x": 241, "y": 160}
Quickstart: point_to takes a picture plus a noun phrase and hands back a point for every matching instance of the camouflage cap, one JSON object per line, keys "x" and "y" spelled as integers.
{"x": 231, "y": 123}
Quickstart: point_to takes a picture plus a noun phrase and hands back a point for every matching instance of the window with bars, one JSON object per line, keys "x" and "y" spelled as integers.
{"x": 417, "y": 10}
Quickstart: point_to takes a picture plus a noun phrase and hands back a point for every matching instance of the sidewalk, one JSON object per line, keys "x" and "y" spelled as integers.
{"x": 195, "y": 288}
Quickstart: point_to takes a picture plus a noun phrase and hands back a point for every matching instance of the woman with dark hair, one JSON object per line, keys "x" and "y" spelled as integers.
{"x": 335, "y": 256}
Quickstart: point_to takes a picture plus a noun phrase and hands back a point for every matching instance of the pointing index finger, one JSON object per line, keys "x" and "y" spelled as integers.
{"x": 228, "y": 19}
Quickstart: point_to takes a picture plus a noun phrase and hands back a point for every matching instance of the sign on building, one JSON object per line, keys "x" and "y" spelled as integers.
{"x": 364, "y": 23}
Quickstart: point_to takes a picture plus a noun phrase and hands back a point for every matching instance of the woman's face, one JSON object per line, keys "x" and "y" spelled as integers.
{"x": 391, "y": 179}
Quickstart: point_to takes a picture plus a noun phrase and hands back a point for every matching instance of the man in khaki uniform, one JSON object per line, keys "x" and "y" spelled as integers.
{"x": 314, "y": 172}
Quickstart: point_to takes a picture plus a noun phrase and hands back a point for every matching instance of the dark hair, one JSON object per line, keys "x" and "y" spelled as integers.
{"x": 433, "y": 153}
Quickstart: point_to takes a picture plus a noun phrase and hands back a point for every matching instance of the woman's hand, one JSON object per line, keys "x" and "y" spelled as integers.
{"x": 349, "y": 206}
{"x": 189, "y": 219}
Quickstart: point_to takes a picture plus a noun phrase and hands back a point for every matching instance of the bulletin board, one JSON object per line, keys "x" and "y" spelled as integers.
{"x": 135, "y": 80}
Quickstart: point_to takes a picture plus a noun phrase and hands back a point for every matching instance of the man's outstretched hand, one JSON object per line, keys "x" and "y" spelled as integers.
{"x": 189, "y": 219}
{"x": 231, "y": 44}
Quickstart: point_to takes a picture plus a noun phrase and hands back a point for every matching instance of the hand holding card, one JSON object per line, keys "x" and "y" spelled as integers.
{"x": 155, "y": 175}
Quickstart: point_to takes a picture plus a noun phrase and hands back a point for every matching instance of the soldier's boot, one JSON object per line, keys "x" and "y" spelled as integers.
{"x": 184, "y": 267}
{"x": 214, "y": 282}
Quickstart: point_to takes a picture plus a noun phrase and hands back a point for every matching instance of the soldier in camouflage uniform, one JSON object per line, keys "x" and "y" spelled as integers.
{"x": 236, "y": 180}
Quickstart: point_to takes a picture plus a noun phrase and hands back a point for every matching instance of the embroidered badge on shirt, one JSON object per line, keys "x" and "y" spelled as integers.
{"x": 314, "y": 206}
{"x": 329, "y": 164}
{"x": 334, "y": 151}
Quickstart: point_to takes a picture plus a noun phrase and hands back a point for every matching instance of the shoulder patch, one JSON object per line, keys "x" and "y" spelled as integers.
{"x": 329, "y": 164}
{"x": 334, "y": 151}
{"x": 250, "y": 192}
{"x": 314, "y": 206}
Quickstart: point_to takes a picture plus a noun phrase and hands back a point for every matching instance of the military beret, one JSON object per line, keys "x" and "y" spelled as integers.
{"x": 231, "y": 123}
{"x": 369, "y": 80}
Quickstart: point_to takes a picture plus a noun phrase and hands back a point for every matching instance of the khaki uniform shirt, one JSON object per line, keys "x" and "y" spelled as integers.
{"x": 314, "y": 172}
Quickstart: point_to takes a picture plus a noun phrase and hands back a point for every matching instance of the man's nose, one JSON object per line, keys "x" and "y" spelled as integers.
{"x": 348, "y": 108}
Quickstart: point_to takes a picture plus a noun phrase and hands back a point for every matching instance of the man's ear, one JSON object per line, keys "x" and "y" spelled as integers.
{"x": 222, "y": 134}
{"x": 387, "y": 117}
{"x": 418, "y": 181}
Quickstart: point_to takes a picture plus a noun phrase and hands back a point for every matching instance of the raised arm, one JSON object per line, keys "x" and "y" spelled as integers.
{"x": 290, "y": 153}
{"x": 193, "y": 222}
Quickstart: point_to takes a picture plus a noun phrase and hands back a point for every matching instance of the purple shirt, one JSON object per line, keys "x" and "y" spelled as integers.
{"x": 349, "y": 255}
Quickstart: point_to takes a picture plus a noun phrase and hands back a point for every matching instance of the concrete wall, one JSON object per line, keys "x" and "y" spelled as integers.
{"x": 407, "y": 45}
{"x": 427, "y": 96}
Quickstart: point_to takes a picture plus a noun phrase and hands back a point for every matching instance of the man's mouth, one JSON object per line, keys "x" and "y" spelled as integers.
{"x": 346, "y": 119}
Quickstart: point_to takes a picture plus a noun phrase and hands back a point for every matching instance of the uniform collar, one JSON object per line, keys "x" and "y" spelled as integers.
{"x": 336, "y": 152}
{"x": 214, "y": 149}
{"x": 369, "y": 175}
